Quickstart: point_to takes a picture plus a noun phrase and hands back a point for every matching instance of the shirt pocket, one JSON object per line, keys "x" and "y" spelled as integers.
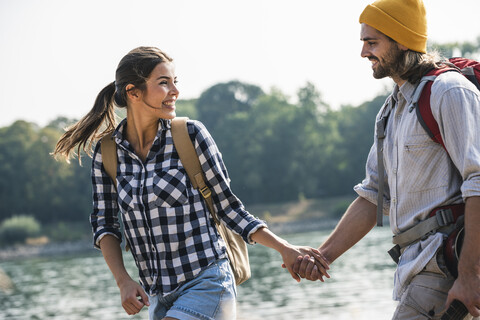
{"x": 422, "y": 158}
{"x": 126, "y": 191}
{"x": 169, "y": 188}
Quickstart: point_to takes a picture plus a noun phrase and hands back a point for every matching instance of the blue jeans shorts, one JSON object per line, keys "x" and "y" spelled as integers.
{"x": 210, "y": 296}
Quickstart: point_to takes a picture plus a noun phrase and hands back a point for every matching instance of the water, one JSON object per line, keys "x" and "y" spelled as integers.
{"x": 82, "y": 287}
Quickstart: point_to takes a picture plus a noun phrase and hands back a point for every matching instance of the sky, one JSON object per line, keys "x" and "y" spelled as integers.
{"x": 56, "y": 55}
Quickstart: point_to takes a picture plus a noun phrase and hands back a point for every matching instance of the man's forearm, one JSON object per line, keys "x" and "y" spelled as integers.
{"x": 357, "y": 221}
{"x": 470, "y": 257}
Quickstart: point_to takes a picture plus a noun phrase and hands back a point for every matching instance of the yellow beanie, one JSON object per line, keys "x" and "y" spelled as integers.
{"x": 402, "y": 20}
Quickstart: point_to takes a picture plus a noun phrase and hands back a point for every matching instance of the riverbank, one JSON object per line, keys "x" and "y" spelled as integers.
{"x": 45, "y": 250}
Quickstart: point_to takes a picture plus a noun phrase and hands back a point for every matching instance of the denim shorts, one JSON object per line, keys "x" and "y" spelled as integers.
{"x": 211, "y": 295}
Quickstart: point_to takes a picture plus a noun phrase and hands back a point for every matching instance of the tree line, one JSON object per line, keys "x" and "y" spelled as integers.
{"x": 275, "y": 150}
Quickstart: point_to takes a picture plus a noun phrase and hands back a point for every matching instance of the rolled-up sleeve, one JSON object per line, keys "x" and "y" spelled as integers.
{"x": 368, "y": 188}
{"x": 104, "y": 218}
{"x": 230, "y": 209}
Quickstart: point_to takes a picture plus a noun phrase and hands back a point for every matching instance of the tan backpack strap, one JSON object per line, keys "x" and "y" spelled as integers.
{"x": 237, "y": 251}
{"x": 189, "y": 158}
{"x": 109, "y": 157}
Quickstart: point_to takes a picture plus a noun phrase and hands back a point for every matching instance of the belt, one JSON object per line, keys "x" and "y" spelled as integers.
{"x": 438, "y": 218}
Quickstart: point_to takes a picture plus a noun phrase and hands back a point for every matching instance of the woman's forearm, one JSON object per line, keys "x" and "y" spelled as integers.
{"x": 112, "y": 253}
{"x": 267, "y": 238}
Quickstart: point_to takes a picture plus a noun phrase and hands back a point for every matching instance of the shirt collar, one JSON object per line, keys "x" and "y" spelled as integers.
{"x": 407, "y": 90}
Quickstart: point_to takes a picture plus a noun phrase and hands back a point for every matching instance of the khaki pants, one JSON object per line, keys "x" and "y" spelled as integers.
{"x": 425, "y": 296}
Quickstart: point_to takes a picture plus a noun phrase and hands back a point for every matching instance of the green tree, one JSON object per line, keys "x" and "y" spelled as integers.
{"x": 186, "y": 108}
{"x": 218, "y": 102}
{"x": 15, "y": 142}
{"x": 356, "y": 131}
{"x": 62, "y": 191}
{"x": 33, "y": 183}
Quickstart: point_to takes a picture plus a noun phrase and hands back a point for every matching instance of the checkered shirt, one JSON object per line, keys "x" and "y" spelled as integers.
{"x": 171, "y": 234}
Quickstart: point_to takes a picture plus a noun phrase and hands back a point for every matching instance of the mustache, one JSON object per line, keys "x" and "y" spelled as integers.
{"x": 373, "y": 58}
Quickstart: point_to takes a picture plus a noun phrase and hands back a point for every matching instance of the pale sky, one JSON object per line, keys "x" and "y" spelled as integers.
{"x": 56, "y": 55}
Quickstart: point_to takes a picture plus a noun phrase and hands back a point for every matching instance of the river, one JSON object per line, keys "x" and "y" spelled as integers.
{"x": 71, "y": 287}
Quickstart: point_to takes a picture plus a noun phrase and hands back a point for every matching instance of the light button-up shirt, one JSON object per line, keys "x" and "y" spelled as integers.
{"x": 420, "y": 175}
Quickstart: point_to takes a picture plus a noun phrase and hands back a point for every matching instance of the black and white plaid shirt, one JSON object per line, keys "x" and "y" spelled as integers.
{"x": 167, "y": 225}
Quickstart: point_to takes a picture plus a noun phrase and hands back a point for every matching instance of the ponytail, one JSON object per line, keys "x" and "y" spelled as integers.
{"x": 85, "y": 132}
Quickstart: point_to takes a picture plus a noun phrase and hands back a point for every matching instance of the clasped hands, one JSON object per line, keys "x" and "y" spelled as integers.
{"x": 305, "y": 262}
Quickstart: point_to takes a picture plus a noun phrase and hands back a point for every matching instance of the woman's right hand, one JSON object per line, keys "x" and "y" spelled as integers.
{"x": 133, "y": 297}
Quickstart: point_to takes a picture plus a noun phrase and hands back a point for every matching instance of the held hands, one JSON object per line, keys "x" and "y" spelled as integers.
{"x": 291, "y": 255}
{"x": 130, "y": 291}
{"x": 305, "y": 262}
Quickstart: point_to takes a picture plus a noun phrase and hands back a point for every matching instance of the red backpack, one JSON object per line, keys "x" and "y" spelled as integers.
{"x": 421, "y": 98}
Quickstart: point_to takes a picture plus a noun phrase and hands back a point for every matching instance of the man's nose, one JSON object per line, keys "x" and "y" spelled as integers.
{"x": 364, "y": 52}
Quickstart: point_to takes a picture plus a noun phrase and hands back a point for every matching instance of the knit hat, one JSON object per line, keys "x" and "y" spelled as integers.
{"x": 402, "y": 20}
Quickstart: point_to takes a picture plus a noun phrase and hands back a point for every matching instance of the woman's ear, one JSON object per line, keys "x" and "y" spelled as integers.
{"x": 132, "y": 92}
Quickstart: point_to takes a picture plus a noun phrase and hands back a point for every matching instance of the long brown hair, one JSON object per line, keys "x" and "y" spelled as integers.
{"x": 413, "y": 65}
{"x": 134, "y": 68}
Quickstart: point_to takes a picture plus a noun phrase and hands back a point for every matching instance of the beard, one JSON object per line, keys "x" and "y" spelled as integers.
{"x": 390, "y": 65}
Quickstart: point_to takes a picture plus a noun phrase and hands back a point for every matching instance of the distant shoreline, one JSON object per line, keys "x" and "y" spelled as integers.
{"x": 50, "y": 249}
{"x": 71, "y": 247}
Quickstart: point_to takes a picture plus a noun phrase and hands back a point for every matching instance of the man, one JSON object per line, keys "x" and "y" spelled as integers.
{"x": 419, "y": 175}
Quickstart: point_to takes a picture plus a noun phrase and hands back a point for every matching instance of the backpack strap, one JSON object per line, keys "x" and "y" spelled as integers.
{"x": 108, "y": 148}
{"x": 236, "y": 248}
{"x": 448, "y": 217}
{"x": 188, "y": 156}
{"x": 421, "y": 103}
{"x": 381, "y": 126}
{"x": 109, "y": 157}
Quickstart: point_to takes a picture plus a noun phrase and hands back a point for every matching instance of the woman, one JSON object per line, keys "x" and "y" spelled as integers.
{"x": 172, "y": 237}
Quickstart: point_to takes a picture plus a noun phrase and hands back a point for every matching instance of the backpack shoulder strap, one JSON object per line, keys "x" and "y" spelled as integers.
{"x": 381, "y": 125}
{"x": 108, "y": 148}
{"x": 109, "y": 157}
{"x": 421, "y": 102}
{"x": 189, "y": 158}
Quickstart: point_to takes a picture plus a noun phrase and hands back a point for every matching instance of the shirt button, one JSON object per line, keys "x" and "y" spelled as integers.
{"x": 394, "y": 200}
{"x": 395, "y": 170}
